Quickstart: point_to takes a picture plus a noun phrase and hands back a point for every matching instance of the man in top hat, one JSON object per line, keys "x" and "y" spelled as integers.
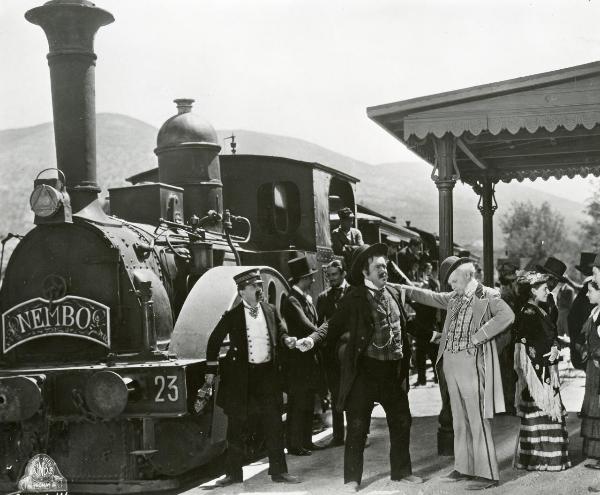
{"x": 475, "y": 315}
{"x": 589, "y": 266}
{"x": 250, "y": 375}
{"x": 374, "y": 363}
{"x": 345, "y": 236}
{"x": 303, "y": 371}
{"x": 327, "y": 304}
{"x": 556, "y": 270}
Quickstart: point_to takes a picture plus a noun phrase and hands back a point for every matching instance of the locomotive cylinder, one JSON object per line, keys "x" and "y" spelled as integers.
{"x": 70, "y": 26}
{"x": 188, "y": 157}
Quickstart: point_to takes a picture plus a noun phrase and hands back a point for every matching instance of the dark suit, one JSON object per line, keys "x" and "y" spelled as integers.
{"x": 578, "y": 314}
{"x": 247, "y": 389}
{"x": 327, "y": 305}
{"x": 366, "y": 381}
{"x": 303, "y": 373}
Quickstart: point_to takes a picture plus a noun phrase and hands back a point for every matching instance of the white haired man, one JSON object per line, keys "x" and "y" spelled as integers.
{"x": 475, "y": 316}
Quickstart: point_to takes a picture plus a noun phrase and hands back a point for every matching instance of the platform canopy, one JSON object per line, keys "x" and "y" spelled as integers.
{"x": 544, "y": 125}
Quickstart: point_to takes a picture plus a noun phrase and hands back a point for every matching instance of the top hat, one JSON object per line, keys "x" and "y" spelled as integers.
{"x": 247, "y": 277}
{"x": 554, "y": 267}
{"x": 361, "y": 254}
{"x": 450, "y": 264}
{"x": 299, "y": 268}
{"x": 345, "y": 213}
{"x": 586, "y": 261}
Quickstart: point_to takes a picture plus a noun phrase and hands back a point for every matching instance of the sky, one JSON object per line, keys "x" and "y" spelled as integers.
{"x": 301, "y": 68}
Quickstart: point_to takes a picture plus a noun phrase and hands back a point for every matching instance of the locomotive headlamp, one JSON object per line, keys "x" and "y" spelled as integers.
{"x": 49, "y": 200}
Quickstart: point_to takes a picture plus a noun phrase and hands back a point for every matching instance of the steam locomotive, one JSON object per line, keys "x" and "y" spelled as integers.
{"x": 106, "y": 312}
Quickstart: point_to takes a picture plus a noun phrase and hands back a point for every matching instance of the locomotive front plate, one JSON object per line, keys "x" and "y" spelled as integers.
{"x": 72, "y": 316}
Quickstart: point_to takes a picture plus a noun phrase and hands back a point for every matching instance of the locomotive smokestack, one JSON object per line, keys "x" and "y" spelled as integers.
{"x": 70, "y": 26}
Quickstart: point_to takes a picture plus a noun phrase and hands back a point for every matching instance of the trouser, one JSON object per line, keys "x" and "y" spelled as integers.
{"x": 264, "y": 399}
{"x": 422, "y": 352}
{"x": 333, "y": 383}
{"x": 474, "y": 450}
{"x": 300, "y": 417}
{"x": 508, "y": 375}
{"x": 377, "y": 381}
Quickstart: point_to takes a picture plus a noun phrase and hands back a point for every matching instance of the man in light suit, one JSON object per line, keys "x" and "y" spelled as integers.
{"x": 250, "y": 375}
{"x": 475, "y": 316}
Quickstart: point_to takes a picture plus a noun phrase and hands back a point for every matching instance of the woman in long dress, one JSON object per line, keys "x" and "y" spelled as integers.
{"x": 543, "y": 443}
{"x": 590, "y": 411}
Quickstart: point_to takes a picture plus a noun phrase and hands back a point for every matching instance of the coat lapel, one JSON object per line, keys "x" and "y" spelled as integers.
{"x": 270, "y": 319}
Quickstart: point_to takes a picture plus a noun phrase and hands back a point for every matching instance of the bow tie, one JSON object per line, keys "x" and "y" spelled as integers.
{"x": 253, "y": 311}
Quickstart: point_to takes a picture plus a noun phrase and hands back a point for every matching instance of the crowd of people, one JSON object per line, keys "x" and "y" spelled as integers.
{"x": 498, "y": 351}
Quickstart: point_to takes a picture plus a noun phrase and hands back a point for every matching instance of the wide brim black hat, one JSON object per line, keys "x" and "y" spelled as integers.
{"x": 361, "y": 254}
{"x": 554, "y": 267}
{"x": 450, "y": 264}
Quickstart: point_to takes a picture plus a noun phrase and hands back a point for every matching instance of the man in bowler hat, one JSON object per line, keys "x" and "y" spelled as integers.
{"x": 303, "y": 371}
{"x": 475, "y": 315}
{"x": 345, "y": 236}
{"x": 374, "y": 364}
{"x": 250, "y": 375}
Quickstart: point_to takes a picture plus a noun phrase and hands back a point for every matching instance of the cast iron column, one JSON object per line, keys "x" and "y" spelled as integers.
{"x": 445, "y": 181}
{"x": 487, "y": 206}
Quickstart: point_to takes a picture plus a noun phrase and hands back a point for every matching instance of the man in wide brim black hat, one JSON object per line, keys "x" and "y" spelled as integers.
{"x": 361, "y": 256}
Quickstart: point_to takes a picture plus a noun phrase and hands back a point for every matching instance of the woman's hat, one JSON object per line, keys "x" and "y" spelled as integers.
{"x": 300, "y": 268}
{"x": 586, "y": 261}
{"x": 554, "y": 267}
{"x": 362, "y": 254}
{"x": 450, "y": 264}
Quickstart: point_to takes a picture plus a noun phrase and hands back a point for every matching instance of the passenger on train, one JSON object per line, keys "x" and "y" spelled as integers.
{"x": 345, "y": 237}
{"x": 251, "y": 381}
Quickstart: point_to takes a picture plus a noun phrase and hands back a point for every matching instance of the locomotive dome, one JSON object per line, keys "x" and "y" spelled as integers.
{"x": 185, "y": 128}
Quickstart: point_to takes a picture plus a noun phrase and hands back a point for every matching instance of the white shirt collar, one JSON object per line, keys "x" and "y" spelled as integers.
{"x": 247, "y": 306}
{"x": 595, "y": 311}
{"x": 371, "y": 285}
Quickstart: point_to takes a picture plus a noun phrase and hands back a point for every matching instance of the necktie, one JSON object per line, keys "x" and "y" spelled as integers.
{"x": 253, "y": 311}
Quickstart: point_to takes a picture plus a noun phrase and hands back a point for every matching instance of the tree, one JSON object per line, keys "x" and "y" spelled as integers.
{"x": 590, "y": 230}
{"x": 535, "y": 232}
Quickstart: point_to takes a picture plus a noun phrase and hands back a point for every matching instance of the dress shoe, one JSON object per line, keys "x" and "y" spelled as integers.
{"x": 285, "y": 478}
{"x": 228, "y": 480}
{"x": 593, "y": 465}
{"x": 455, "y": 475}
{"x": 299, "y": 452}
{"x": 482, "y": 484}
{"x": 411, "y": 479}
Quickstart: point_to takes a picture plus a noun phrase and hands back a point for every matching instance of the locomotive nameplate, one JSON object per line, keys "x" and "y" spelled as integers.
{"x": 71, "y": 316}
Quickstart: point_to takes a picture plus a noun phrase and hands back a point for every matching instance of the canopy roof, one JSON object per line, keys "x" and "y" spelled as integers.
{"x": 544, "y": 125}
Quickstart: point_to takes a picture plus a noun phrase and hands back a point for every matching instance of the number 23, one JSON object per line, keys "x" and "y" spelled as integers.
{"x": 173, "y": 390}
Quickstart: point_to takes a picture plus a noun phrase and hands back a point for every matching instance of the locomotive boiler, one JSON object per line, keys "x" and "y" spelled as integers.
{"x": 106, "y": 311}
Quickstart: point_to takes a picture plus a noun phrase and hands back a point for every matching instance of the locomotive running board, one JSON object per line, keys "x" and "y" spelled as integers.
{"x": 133, "y": 486}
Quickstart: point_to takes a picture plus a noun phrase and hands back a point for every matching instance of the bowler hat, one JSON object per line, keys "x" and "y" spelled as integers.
{"x": 554, "y": 267}
{"x": 362, "y": 254}
{"x": 586, "y": 261}
{"x": 300, "y": 268}
{"x": 247, "y": 277}
{"x": 345, "y": 213}
{"x": 450, "y": 264}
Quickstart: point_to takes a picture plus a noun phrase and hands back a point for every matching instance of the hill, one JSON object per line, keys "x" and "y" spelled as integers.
{"x": 125, "y": 146}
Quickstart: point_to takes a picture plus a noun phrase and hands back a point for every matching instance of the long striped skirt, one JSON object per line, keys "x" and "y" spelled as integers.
{"x": 543, "y": 443}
